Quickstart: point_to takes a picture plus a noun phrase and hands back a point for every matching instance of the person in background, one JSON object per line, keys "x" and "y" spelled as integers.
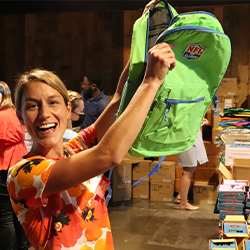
{"x": 28, "y": 140}
{"x": 60, "y": 200}
{"x": 188, "y": 160}
{"x": 94, "y": 99}
{"x": 12, "y": 148}
{"x": 77, "y": 115}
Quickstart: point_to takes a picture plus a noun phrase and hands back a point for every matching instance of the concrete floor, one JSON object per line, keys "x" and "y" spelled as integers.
{"x": 147, "y": 225}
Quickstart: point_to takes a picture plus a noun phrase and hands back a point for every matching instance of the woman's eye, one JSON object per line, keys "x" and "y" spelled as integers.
{"x": 31, "y": 106}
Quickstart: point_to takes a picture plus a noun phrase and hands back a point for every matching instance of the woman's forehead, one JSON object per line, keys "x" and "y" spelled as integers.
{"x": 39, "y": 89}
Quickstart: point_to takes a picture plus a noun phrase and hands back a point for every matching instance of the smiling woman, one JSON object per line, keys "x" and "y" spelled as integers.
{"x": 58, "y": 199}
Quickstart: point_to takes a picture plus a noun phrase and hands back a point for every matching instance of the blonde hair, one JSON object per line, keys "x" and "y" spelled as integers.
{"x": 42, "y": 75}
{"x": 74, "y": 98}
{"x": 6, "y": 96}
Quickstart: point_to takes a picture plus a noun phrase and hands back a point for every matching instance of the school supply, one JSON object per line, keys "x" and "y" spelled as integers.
{"x": 202, "y": 51}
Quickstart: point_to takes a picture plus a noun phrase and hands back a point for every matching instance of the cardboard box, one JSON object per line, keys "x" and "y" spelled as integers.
{"x": 178, "y": 172}
{"x": 121, "y": 181}
{"x": 161, "y": 191}
{"x": 223, "y": 244}
{"x": 228, "y": 87}
{"x": 226, "y": 172}
{"x": 226, "y": 101}
{"x": 205, "y": 193}
{"x": 241, "y": 172}
{"x": 135, "y": 159}
{"x": 140, "y": 169}
{"x": 246, "y": 244}
{"x": 166, "y": 172}
{"x": 210, "y": 175}
{"x": 235, "y": 226}
{"x": 224, "y": 213}
{"x": 173, "y": 158}
{"x": 213, "y": 161}
{"x": 237, "y": 146}
{"x": 141, "y": 191}
{"x": 212, "y": 149}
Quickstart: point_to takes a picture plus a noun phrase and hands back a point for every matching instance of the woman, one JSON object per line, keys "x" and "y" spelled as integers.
{"x": 77, "y": 109}
{"x": 12, "y": 148}
{"x": 77, "y": 115}
{"x": 55, "y": 207}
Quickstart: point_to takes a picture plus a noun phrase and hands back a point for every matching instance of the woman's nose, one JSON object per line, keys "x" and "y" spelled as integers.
{"x": 44, "y": 111}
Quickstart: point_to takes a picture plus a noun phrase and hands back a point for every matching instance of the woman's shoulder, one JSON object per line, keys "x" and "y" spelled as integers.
{"x": 31, "y": 164}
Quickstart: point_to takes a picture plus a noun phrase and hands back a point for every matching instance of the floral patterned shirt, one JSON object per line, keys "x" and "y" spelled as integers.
{"x": 76, "y": 218}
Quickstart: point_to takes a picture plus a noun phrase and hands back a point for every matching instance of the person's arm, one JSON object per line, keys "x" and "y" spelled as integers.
{"x": 110, "y": 151}
{"x": 107, "y": 117}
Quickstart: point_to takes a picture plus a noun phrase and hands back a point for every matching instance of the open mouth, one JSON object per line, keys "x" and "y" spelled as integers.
{"x": 48, "y": 126}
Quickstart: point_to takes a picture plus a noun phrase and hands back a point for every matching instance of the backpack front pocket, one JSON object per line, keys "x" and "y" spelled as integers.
{"x": 175, "y": 118}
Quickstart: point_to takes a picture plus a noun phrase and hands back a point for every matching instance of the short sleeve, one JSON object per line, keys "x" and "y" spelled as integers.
{"x": 26, "y": 182}
{"x": 86, "y": 138}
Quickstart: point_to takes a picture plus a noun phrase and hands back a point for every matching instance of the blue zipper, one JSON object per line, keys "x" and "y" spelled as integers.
{"x": 191, "y": 13}
{"x": 169, "y": 103}
{"x": 188, "y": 27}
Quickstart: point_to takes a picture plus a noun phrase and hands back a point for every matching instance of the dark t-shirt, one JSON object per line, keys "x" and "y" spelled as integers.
{"x": 93, "y": 107}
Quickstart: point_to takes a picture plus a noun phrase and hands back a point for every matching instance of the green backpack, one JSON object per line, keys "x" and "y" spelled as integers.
{"x": 202, "y": 52}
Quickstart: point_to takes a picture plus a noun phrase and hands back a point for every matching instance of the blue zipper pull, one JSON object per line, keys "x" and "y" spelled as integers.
{"x": 167, "y": 110}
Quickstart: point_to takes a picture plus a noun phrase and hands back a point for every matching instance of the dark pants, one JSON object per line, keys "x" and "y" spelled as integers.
{"x": 12, "y": 235}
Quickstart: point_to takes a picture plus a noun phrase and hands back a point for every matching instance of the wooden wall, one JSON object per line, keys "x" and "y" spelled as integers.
{"x": 70, "y": 44}
{"x": 73, "y": 43}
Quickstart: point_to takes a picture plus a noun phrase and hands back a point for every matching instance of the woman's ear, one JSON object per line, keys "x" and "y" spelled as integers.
{"x": 19, "y": 115}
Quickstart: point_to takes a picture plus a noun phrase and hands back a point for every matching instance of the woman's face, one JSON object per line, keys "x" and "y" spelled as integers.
{"x": 77, "y": 111}
{"x": 45, "y": 115}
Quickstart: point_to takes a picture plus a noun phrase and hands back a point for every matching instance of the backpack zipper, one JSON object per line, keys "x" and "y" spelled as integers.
{"x": 188, "y": 27}
{"x": 171, "y": 102}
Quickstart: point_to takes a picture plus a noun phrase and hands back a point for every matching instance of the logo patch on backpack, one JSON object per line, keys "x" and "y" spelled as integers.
{"x": 194, "y": 52}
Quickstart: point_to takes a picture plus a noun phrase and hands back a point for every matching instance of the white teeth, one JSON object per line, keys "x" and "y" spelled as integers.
{"x": 47, "y": 126}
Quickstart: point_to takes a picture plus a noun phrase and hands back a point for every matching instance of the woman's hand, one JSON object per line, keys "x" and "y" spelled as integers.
{"x": 150, "y": 4}
{"x": 161, "y": 58}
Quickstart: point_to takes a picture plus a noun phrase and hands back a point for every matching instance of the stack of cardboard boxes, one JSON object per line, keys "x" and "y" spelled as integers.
{"x": 237, "y": 159}
{"x": 158, "y": 187}
{"x": 234, "y": 222}
{"x": 235, "y": 234}
{"x": 162, "y": 183}
{"x": 140, "y": 170}
{"x": 206, "y": 176}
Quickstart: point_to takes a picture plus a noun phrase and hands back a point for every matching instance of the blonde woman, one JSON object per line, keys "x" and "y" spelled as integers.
{"x": 60, "y": 200}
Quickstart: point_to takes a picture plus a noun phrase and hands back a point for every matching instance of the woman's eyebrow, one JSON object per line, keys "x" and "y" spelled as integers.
{"x": 35, "y": 99}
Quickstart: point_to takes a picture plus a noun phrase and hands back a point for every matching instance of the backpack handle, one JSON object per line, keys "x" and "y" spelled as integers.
{"x": 164, "y": 1}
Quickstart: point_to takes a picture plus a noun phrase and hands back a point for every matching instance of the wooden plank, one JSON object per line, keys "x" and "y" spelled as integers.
{"x": 66, "y": 67}
{"x": 77, "y": 50}
{"x": 2, "y": 48}
{"x": 56, "y": 43}
{"x": 34, "y": 41}
{"x": 14, "y": 46}
{"x": 116, "y": 49}
{"x": 48, "y": 42}
{"x": 129, "y": 19}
